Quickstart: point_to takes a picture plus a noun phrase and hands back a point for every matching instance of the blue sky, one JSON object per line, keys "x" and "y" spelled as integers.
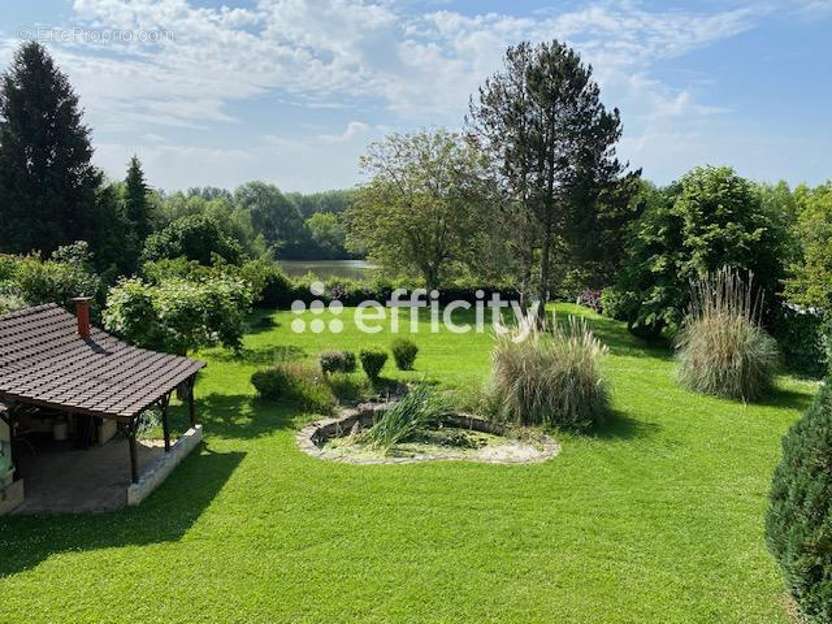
{"x": 211, "y": 93}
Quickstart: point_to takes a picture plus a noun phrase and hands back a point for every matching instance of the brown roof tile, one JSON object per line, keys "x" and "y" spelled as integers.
{"x": 43, "y": 361}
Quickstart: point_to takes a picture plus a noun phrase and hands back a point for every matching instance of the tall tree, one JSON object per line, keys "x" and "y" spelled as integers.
{"x": 136, "y": 202}
{"x": 554, "y": 143}
{"x": 423, "y": 205}
{"x": 273, "y": 216}
{"x": 47, "y": 182}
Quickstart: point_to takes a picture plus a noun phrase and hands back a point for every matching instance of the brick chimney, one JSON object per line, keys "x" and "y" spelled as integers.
{"x": 82, "y": 313}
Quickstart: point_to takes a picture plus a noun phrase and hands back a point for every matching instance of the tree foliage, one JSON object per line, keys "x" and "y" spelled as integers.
{"x": 47, "y": 181}
{"x": 553, "y": 142}
{"x": 272, "y": 215}
{"x": 178, "y": 315}
{"x": 424, "y": 204}
{"x": 195, "y": 237}
{"x": 66, "y": 274}
{"x": 811, "y": 283}
{"x": 711, "y": 218}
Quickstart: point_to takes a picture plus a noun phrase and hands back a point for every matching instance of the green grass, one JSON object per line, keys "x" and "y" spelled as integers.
{"x": 656, "y": 518}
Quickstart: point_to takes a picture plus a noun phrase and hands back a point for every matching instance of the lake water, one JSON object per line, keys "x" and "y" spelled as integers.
{"x": 351, "y": 269}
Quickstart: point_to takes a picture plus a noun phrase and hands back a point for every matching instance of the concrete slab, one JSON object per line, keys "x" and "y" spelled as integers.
{"x": 80, "y": 481}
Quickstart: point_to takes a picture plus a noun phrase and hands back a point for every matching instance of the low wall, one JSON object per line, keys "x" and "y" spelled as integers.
{"x": 153, "y": 476}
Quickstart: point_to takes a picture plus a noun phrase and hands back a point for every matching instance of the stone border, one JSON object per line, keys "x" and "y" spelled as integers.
{"x": 159, "y": 469}
{"x": 311, "y": 438}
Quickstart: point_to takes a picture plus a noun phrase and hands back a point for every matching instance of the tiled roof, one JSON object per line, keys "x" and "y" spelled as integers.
{"x": 44, "y": 361}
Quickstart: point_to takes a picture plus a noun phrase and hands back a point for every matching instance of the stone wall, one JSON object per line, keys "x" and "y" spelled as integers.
{"x": 155, "y": 474}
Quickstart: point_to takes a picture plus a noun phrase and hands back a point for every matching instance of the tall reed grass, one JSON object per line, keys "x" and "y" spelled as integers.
{"x": 722, "y": 349}
{"x": 417, "y": 410}
{"x": 549, "y": 378}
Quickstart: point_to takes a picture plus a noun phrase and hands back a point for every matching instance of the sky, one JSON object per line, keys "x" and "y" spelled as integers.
{"x": 293, "y": 91}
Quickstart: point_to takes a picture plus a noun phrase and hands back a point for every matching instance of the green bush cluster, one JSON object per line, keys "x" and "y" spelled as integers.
{"x": 337, "y": 361}
{"x": 66, "y": 274}
{"x": 799, "y": 519}
{"x": 177, "y": 315}
{"x": 404, "y": 353}
{"x": 372, "y": 361}
{"x": 803, "y": 335}
{"x": 550, "y": 378}
{"x": 297, "y": 383}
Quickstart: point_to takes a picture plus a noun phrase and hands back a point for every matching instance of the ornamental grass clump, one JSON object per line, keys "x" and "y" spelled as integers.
{"x": 416, "y": 411}
{"x": 550, "y": 378}
{"x": 722, "y": 349}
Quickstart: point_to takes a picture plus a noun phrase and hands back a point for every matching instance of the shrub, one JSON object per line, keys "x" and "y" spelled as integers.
{"x": 617, "y": 304}
{"x": 337, "y": 361}
{"x": 711, "y": 218}
{"x": 722, "y": 350}
{"x": 372, "y": 361}
{"x": 404, "y": 353}
{"x": 550, "y": 379}
{"x": 590, "y": 298}
{"x": 178, "y": 315}
{"x": 417, "y": 410}
{"x": 273, "y": 287}
{"x": 66, "y": 274}
{"x": 802, "y": 336}
{"x": 295, "y": 382}
{"x": 799, "y": 519}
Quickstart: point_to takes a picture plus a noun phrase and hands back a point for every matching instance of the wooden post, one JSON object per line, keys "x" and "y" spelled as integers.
{"x": 191, "y": 408}
{"x": 134, "y": 458}
{"x": 163, "y": 403}
{"x": 8, "y": 418}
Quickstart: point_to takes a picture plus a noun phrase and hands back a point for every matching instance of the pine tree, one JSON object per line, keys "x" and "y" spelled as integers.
{"x": 136, "y": 201}
{"x": 47, "y": 181}
{"x": 554, "y": 142}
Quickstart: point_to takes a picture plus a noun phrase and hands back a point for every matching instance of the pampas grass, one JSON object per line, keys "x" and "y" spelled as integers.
{"x": 549, "y": 378}
{"x": 722, "y": 349}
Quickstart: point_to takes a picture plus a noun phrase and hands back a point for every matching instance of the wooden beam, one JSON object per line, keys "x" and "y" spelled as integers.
{"x": 134, "y": 456}
{"x": 164, "y": 401}
{"x": 9, "y": 419}
{"x": 191, "y": 408}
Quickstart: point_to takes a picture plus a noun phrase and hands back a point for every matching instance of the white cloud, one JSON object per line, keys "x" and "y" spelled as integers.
{"x": 421, "y": 68}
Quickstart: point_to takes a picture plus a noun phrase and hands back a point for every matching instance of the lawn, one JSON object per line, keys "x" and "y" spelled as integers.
{"x": 655, "y": 518}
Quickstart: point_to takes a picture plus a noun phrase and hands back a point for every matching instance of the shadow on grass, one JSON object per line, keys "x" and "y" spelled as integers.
{"x": 614, "y": 334}
{"x": 243, "y": 417}
{"x": 261, "y": 321}
{"x": 165, "y": 516}
{"x": 787, "y": 399}
{"x": 619, "y": 426}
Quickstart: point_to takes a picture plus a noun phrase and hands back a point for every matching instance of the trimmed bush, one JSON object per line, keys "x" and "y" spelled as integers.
{"x": 337, "y": 361}
{"x": 722, "y": 349}
{"x": 372, "y": 361}
{"x": 799, "y": 519}
{"x": 295, "y": 382}
{"x": 550, "y": 379}
{"x": 404, "y": 353}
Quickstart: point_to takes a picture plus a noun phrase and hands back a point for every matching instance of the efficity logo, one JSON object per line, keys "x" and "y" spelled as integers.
{"x": 420, "y": 308}
{"x": 317, "y": 308}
